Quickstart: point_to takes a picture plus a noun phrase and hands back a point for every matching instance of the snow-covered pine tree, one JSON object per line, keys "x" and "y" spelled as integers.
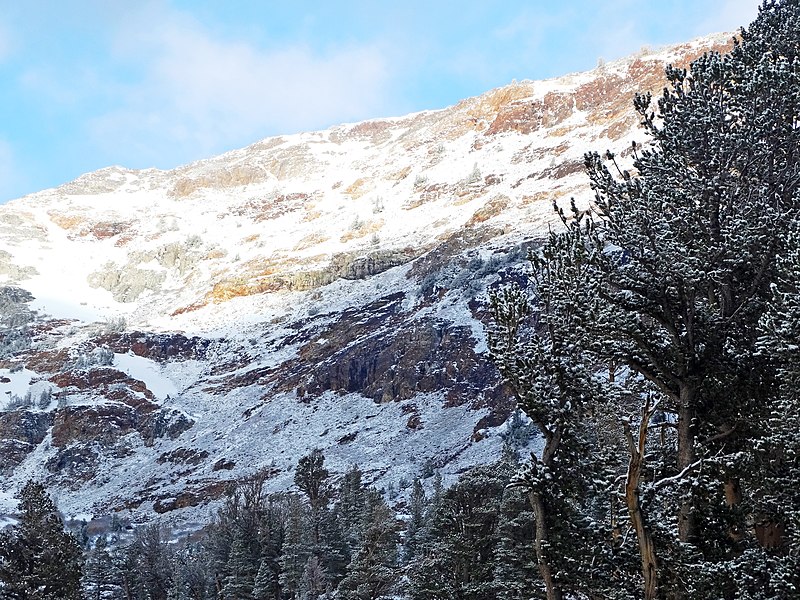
{"x": 193, "y": 576}
{"x": 148, "y": 565}
{"x": 101, "y": 578}
{"x": 515, "y": 571}
{"x": 455, "y": 560}
{"x": 312, "y": 478}
{"x": 296, "y": 547}
{"x": 350, "y": 506}
{"x": 271, "y": 539}
{"x": 241, "y": 570}
{"x": 327, "y": 540}
{"x": 38, "y": 559}
{"x": 538, "y": 347}
{"x": 373, "y": 570}
{"x": 315, "y": 580}
{"x": 416, "y": 508}
{"x": 668, "y": 279}
{"x": 686, "y": 252}
{"x": 265, "y": 586}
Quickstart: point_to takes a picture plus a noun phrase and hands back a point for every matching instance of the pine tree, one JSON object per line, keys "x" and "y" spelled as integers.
{"x": 38, "y": 559}
{"x": 271, "y": 540}
{"x": 515, "y": 571}
{"x": 101, "y": 576}
{"x": 265, "y": 586}
{"x": 455, "y": 561}
{"x": 296, "y": 547}
{"x": 373, "y": 571}
{"x": 327, "y": 540}
{"x": 148, "y": 564}
{"x": 241, "y": 571}
{"x": 350, "y": 506}
{"x": 312, "y": 478}
{"x": 416, "y": 522}
{"x": 667, "y": 281}
{"x": 315, "y": 579}
{"x": 538, "y": 349}
{"x": 194, "y": 562}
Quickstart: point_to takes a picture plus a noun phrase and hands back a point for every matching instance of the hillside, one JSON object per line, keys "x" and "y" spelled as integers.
{"x": 165, "y": 332}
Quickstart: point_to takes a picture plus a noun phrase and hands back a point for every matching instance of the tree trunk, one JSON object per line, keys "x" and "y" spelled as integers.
{"x": 542, "y": 538}
{"x": 686, "y": 456}
{"x": 647, "y": 551}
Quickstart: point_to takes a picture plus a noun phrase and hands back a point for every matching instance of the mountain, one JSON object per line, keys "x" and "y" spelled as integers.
{"x": 163, "y": 333}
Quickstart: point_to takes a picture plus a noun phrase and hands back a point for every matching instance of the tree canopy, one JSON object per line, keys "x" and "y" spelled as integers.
{"x": 671, "y": 304}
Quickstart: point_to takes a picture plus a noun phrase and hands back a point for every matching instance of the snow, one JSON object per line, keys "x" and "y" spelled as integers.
{"x": 147, "y": 371}
{"x": 82, "y": 516}
{"x": 18, "y": 385}
{"x": 8, "y": 505}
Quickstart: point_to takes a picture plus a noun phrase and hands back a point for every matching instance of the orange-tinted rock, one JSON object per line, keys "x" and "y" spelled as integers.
{"x": 193, "y": 497}
{"x": 561, "y": 170}
{"x": 491, "y": 209}
{"x": 528, "y": 116}
{"x": 108, "y": 229}
{"x": 601, "y": 92}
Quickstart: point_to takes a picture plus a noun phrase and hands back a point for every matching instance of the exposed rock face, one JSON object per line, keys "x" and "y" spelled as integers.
{"x": 128, "y": 283}
{"x": 341, "y": 266}
{"x": 387, "y": 355}
{"x": 158, "y": 347}
{"x": 13, "y": 306}
{"x": 101, "y": 424}
{"x": 525, "y": 117}
{"x": 20, "y": 432}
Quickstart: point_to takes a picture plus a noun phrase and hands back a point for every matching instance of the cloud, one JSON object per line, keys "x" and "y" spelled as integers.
{"x": 202, "y": 93}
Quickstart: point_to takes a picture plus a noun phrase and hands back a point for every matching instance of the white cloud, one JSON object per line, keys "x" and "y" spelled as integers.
{"x": 198, "y": 93}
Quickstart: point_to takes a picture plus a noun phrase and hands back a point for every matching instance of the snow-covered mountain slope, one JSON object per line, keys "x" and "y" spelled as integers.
{"x": 165, "y": 332}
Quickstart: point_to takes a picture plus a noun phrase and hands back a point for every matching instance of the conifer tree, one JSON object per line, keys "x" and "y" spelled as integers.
{"x": 296, "y": 547}
{"x": 350, "y": 506}
{"x": 271, "y": 540}
{"x": 515, "y": 571}
{"x": 265, "y": 585}
{"x": 38, "y": 559}
{"x": 373, "y": 571}
{"x": 241, "y": 571}
{"x": 315, "y": 579}
{"x": 667, "y": 280}
{"x": 327, "y": 542}
{"x": 538, "y": 349}
{"x": 416, "y": 521}
{"x": 101, "y": 576}
{"x": 148, "y": 568}
{"x": 455, "y": 561}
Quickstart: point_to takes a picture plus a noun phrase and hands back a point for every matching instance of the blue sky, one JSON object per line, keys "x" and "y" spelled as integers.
{"x": 93, "y": 83}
